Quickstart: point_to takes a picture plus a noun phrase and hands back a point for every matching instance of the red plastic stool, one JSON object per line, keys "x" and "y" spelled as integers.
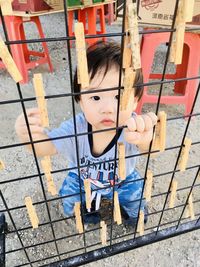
{"x": 70, "y": 23}
{"x": 21, "y": 53}
{"x": 110, "y": 16}
{"x": 188, "y": 68}
{"x": 88, "y": 16}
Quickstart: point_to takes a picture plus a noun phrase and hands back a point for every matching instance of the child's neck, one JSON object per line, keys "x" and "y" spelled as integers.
{"x": 101, "y": 141}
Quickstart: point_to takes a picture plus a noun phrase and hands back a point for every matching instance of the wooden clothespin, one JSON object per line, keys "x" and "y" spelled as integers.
{"x": 117, "y": 211}
{"x": 173, "y": 190}
{"x": 103, "y": 232}
{"x": 46, "y": 166}
{"x": 6, "y": 7}
{"x": 40, "y": 96}
{"x": 176, "y": 50}
{"x": 122, "y": 161}
{"x": 77, "y": 211}
{"x": 190, "y": 208}
{"x": 159, "y": 141}
{"x": 127, "y": 96}
{"x": 134, "y": 35}
{"x": 140, "y": 227}
{"x": 9, "y": 62}
{"x": 127, "y": 52}
{"x": 87, "y": 186}
{"x": 2, "y": 165}
{"x": 189, "y": 10}
{"x": 82, "y": 66}
{"x": 148, "y": 185}
{"x": 184, "y": 154}
{"x": 31, "y": 212}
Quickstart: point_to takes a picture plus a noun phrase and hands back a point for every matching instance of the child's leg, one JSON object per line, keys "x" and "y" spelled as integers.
{"x": 69, "y": 187}
{"x": 130, "y": 191}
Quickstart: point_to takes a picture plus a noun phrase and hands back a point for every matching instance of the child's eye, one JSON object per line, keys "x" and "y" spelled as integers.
{"x": 95, "y": 98}
{"x": 117, "y": 97}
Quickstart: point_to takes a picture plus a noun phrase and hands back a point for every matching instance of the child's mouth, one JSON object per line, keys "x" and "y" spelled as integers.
{"x": 107, "y": 122}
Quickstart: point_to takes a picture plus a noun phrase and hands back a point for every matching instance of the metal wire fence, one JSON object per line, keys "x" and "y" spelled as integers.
{"x": 164, "y": 222}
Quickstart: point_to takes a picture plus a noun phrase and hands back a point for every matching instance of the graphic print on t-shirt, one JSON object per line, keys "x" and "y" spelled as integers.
{"x": 100, "y": 172}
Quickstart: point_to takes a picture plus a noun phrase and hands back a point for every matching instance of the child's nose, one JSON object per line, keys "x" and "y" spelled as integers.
{"x": 108, "y": 107}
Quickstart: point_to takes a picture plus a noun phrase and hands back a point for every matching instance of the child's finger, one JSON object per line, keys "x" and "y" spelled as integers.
{"x": 35, "y": 129}
{"x": 153, "y": 117}
{"x": 35, "y": 120}
{"x": 133, "y": 137}
{"x": 148, "y": 122}
{"x": 33, "y": 111}
{"x": 131, "y": 124}
{"x": 140, "y": 125}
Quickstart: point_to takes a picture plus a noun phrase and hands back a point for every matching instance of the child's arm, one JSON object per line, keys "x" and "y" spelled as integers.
{"x": 140, "y": 130}
{"x": 37, "y": 132}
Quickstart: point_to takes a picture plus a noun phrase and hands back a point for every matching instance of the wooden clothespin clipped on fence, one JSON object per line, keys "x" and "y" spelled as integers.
{"x": 159, "y": 141}
{"x": 127, "y": 52}
{"x": 134, "y": 35}
{"x": 184, "y": 14}
{"x": 117, "y": 211}
{"x": 140, "y": 227}
{"x": 184, "y": 154}
{"x": 46, "y": 166}
{"x": 2, "y": 165}
{"x": 87, "y": 186}
{"x": 40, "y": 96}
{"x": 127, "y": 96}
{"x": 173, "y": 190}
{"x": 77, "y": 211}
{"x": 103, "y": 232}
{"x": 82, "y": 66}
{"x": 31, "y": 212}
{"x": 122, "y": 161}
{"x": 6, "y": 7}
{"x": 190, "y": 208}
{"x": 9, "y": 62}
{"x": 189, "y": 10}
{"x": 148, "y": 185}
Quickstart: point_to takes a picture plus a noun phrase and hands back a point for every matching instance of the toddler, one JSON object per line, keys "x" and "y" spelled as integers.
{"x": 94, "y": 158}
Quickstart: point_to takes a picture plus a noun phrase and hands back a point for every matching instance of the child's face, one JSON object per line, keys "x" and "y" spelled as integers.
{"x": 100, "y": 109}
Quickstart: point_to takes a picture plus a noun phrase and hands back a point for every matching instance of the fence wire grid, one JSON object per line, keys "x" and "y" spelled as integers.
{"x": 56, "y": 241}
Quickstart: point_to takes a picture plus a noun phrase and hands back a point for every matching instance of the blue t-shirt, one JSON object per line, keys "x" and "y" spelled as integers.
{"x": 102, "y": 172}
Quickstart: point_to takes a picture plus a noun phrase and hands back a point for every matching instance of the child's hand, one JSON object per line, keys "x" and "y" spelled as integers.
{"x": 34, "y": 120}
{"x": 37, "y": 132}
{"x": 139, "y": 129}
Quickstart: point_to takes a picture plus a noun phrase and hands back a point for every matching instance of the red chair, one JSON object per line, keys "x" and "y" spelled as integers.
{"x": 20, "y": 52}
{"x": 109, "y": 13}
{"x": 188, "y": 68}
{"x": 88, "y": 16}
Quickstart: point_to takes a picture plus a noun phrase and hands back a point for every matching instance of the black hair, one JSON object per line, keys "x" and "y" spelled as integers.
{"x": 102, "y": 56}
